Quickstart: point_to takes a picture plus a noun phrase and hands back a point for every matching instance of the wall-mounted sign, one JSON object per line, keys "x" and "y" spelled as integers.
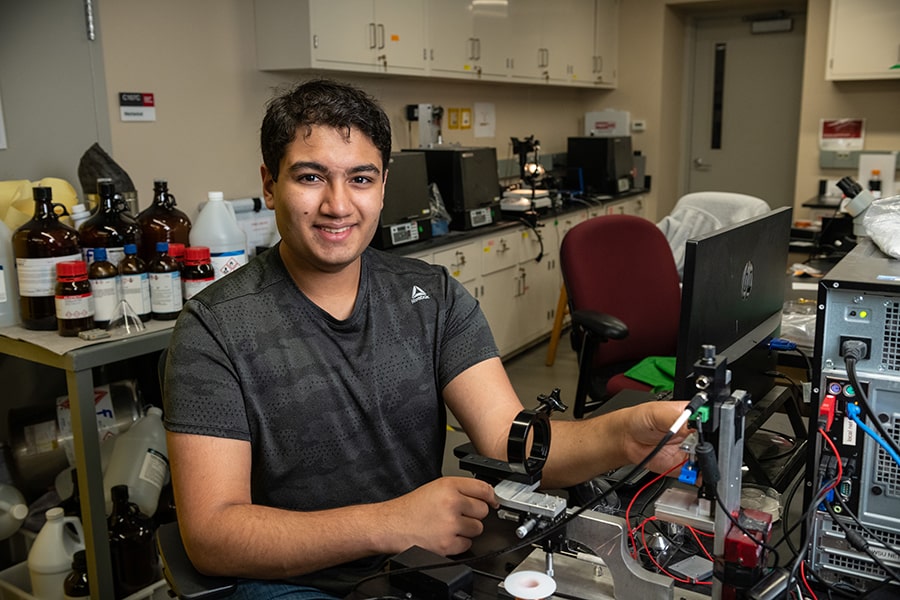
{"x": 842, "y": 134}
{"x": 136, "y": 106}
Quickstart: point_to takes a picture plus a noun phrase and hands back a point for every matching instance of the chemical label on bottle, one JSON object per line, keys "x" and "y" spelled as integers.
{"x": 165, "y": 292}
{"x": 154, "y": 468}
{"x": 136, "y": 291}
{"x": 37, "y": 276}
{"x": 41, "y": 437}
{"x": 106, "y": 297}
{"x": 107, "y": 425}
{"x": 74, "y": 307}
{"x": 194, "y": 286}
{"x": 113, "y": 254}
{"x": 224, "y": 263}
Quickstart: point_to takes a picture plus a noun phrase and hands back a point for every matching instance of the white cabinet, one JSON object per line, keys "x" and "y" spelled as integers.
{"x": 377, "y": 36}
{"x": 559, "y": 50}
{"x": 567, "y": 42}
{"x": 464, "y": 264}
{"x": 864, "y": 40}
{"x": 605, "y": 61}
{"x": 468, "y": 40}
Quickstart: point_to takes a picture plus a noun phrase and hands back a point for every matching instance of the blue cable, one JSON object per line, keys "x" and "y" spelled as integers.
{"x": 853, "y": 411}
{"x": 781, "y": 344}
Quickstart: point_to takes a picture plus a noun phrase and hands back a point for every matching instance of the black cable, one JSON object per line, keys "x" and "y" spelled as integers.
{"x": 745, "y": 531}
{"x": 542, "y": 534}
{"x": 862, "y": 525}
{"x": 539, "y": 237}
{"x": 789, "y": 498}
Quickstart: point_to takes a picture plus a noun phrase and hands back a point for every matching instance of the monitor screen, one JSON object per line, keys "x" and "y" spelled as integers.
{"x": 733, "y": 292}
{"x": 406, "y": 191}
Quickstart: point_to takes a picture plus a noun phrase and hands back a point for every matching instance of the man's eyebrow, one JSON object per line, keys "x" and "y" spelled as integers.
{"x": 320, "y": 168}
{"x": 312, "y": 165}
{"x": 366, "y": 168}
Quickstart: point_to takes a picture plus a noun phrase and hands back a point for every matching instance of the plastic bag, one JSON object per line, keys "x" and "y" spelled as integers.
{"x": 440, "y": 216}
{"x": 882, "y": 223}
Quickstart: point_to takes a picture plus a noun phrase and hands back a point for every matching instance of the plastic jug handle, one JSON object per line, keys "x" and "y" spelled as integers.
{"x": 76, "y": 523}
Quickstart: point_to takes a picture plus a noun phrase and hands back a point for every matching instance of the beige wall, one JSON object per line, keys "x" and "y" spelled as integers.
{"x": 198, "y": 58}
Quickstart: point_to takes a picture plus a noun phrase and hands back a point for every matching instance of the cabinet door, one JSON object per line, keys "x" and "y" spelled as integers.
{"x": 864, "y": 40}
{"x": 499, "y": 252}
{"x": 345, "y": 34}
{"x": 400, "y": 35}
{"x": 466, "y": 41}
{"x": 464, "y": 264}
{"x": 606, "y": 43}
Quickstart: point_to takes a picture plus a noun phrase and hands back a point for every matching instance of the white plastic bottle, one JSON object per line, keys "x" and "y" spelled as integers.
{"x": 50, "y": 557}
{"x": 13, "y": 510}
{"x": 9, "y": 288}
{"x": 139, "y": 460}
{"x": 217, "y": 228}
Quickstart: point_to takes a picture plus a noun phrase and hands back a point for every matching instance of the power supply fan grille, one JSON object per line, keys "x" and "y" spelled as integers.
{"x": 891, "y": 349}
{"x": 887, "y": 472}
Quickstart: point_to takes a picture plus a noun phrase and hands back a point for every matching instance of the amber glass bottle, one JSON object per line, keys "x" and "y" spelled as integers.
{"x": 131, "y": 545}
{"x": 165, "y": 284}
{"x": 197, "y": 272}
{"x": 134, "y": 282}
{"x": 74, "y": 301}
{"x": 109, "y": 228}
{"x": 162, "y": 221}
{"x": 38, "y": 245}
{"x": 104, "y": 279}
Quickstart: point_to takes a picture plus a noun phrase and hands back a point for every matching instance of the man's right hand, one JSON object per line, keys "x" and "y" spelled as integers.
{"x": 441, "y": 516}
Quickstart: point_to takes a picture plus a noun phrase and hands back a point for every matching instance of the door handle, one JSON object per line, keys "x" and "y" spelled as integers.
{"x": 699, "y": 163}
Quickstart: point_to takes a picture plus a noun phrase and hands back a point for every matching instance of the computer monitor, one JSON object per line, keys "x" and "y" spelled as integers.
{"x": 733, "y": 292}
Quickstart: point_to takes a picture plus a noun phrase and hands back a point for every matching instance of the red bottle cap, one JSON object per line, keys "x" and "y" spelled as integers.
{"x": 71, "y": 268}
{"x": 196, "y": 255}
{"x": 176, "y": 250}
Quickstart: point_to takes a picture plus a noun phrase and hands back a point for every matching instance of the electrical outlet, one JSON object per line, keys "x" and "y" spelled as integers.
{"x": 638, "y": 126}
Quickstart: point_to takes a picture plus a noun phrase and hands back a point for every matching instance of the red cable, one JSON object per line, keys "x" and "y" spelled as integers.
{"x": 699, "y": 543}
{"x": 659, "y": 566}
{"x": 837, "y": 456}
{"x": 805, "y": 582}
{"x": 634, "y": 553}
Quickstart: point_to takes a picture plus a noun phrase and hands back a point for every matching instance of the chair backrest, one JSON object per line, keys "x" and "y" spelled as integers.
{"x": 622, "y": 265}
{"x": 702, "y": 212}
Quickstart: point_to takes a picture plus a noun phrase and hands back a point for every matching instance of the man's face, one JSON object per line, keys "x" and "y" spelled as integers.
{"x": 327, "y": 199}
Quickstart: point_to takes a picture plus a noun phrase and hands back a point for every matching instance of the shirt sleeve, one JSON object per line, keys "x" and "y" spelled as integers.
{"x": 467, "y": 339}
{"x": 202, "y": 392}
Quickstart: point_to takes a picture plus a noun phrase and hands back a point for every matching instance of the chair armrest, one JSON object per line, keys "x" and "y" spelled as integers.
{"x": 602, "y": 325}
{"x": 186, "y": 582}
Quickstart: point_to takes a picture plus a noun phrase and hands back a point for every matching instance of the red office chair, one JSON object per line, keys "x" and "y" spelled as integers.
{"x": 625, "y": 302}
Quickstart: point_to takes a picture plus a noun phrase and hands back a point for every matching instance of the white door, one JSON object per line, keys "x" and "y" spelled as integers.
{"x": 745, "y": 108}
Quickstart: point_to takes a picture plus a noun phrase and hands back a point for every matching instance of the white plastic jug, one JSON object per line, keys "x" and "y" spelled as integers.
{"x": 217, "y": 228}
{"x": 10, "y": 313}
{"x": 50, "y": 557}
{"x": 139, "y": 460}
{"x": 13, "y": 510}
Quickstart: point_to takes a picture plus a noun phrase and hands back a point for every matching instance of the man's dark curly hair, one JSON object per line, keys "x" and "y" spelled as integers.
{"x": 321, "y": 102}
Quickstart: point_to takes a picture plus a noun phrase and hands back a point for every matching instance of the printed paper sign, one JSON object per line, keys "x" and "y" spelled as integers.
{"x": 842, "y": 134}
{"x": 137, "y": 106}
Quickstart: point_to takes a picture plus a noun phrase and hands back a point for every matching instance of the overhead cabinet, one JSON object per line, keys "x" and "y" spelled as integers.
{"x": 864, "y": 40}
{"x": 568, "y": 42}
{"x": 378, "y": 36}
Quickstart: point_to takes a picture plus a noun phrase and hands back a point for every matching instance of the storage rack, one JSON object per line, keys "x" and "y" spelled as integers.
{"x": 78, "y": 364}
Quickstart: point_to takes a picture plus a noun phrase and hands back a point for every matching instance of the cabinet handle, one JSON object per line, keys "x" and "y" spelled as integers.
{"x": 477, "y": 48}
{"x": 381, "y": 31}
{"x": 372, "y": 41}
{"x": 471, "y": 48}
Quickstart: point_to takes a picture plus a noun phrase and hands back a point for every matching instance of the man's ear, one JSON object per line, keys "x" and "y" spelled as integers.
{"x": 268, "y": 183}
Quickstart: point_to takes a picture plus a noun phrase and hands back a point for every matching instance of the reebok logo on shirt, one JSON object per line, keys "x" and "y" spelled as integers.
{"x": 418, "y": 294}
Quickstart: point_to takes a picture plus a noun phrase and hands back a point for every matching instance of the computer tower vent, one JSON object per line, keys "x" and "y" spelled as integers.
{"x": 887, "y": 471}
{"x": 891, "y": 348}
{"x": 836, "y": 561}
